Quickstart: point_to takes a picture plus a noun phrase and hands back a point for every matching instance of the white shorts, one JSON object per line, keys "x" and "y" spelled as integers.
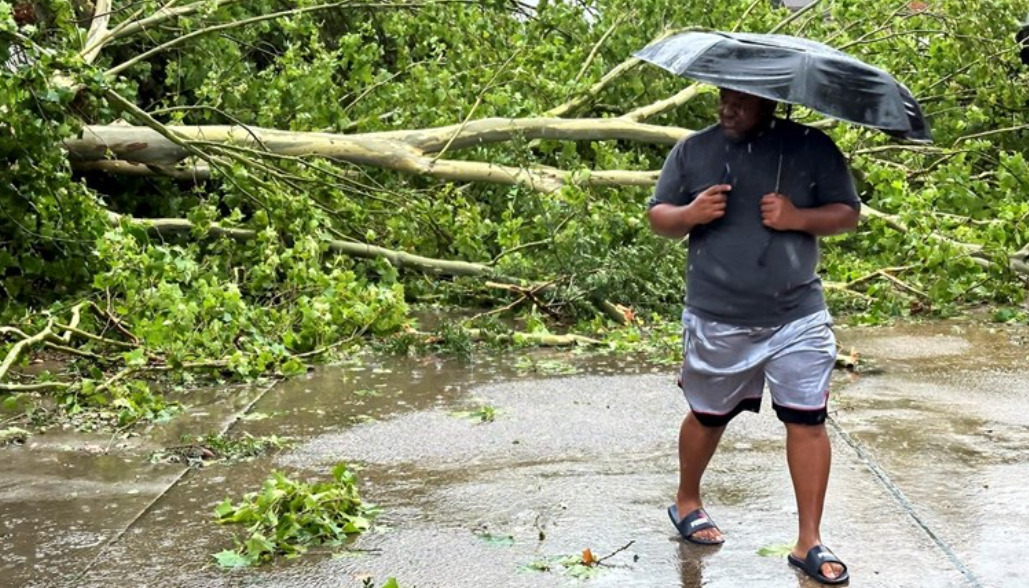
{"x": 725, "y": 368}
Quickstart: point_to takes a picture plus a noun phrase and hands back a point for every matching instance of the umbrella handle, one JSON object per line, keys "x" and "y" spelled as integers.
{"x": 778, "y": 173}
{"x": 763, "y": 257}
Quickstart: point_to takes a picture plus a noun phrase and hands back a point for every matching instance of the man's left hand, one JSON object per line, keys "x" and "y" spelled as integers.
{"x": 777, "y": 212}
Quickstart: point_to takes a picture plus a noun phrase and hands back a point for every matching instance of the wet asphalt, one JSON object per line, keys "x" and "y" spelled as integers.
{"x": 929, "y": 482}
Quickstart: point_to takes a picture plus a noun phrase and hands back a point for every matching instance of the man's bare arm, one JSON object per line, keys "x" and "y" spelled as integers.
{"x": 670, "y": 221}
{"x": 675, "y": 222}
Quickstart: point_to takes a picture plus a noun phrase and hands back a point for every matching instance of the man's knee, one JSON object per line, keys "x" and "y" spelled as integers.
{"x": 707, "y": 423}
{"x": 719, "y": 421}
{"x": 795, "y": 416}
{"x": 805, "y": 432}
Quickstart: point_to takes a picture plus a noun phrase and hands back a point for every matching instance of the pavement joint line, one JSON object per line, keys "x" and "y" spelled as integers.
{"x": 182, "y": 474}
{"x": 904, "y": 503}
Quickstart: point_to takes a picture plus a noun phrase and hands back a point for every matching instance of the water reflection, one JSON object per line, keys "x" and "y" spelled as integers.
{"x": 691, "y": 562}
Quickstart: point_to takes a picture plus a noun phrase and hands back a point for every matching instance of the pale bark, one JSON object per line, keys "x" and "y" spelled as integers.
{"x": 167, "y": 227}
{"x": 404, "y": 151}
{"x": 144, "y": 145}
{"x": 540, "y": 339}
{"x": 663, "y": 106}
{"x": 97, "y": 30}
{"x": 195, "y": 173}
{"x": 162, "y": 15}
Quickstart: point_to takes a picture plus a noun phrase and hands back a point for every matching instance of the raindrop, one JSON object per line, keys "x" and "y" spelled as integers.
{"x": 794, "y": 258}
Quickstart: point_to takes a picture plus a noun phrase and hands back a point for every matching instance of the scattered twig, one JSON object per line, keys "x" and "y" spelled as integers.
{"x": 248, "y": 21}
{"x": 541, "y": 339}
{"x": 523, "y": 246}
{"x": 746, "y": 13}
{"x": 494, "y": 311}
{"x": 478, "y": 100}
{"x": 596, "y": 47}
{"x": 615, "y": 552}
{"x": 18, "y": 348}
{"x": 114, "y": 321}
{"x": 885, "y": 273}
{"x": 14, "y": 419}
{"x": 837, "y": 287}
{"x": 1015, "y": 128}
{"x": 530, "y": 293}
{"x": 904, "y": 285}
{"x": 119, "y": 376}
{"x": 78, "y": 352}
{"x": 356, "y": 335}
{"x": 666, "y": 104}
{"x": 134, "y": 24}
{"x": 887, "y": 23}
{"x": 37, "y": 387}
{"x": 872, "y": 275}
{"x": 621, "y": 69}
{"x": 96, "y": 338}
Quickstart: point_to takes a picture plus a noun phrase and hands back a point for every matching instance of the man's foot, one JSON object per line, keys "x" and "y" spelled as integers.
{"x": 820, "y": 563}
{"x": 695, "y": 526}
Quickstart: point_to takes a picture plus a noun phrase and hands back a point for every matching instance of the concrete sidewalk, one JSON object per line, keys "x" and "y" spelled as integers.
{"x": 576, "y": 462}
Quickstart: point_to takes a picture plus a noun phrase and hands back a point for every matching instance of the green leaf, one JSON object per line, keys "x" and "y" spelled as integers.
{"x": 258, "y": 545}
{"x": 231, "y": 559}
{"x": 780, "y": 550}
{"x": 498, "y": 540}
{"x": 286, "y": 517}
{"x": 135, "y": 358}
{"x": 224, "y": 509}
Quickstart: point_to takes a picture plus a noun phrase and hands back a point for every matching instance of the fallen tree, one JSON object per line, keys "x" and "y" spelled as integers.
{"x": 408, "y": 152}
{"x": 249, "y": 183}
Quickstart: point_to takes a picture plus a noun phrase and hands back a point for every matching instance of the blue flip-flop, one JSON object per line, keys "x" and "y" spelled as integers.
{"x": 818, "y": 556}
{"x": 693, "y": 522}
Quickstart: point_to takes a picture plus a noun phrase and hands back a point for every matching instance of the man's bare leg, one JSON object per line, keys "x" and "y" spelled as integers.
{"x": 810, "y": 455}
{"x": 697, "y": 444}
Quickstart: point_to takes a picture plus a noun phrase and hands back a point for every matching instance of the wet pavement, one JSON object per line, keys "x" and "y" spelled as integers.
{"x": 929, "y": 484}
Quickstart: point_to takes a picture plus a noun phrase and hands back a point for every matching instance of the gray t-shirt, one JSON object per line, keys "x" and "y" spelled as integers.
{"x": 739, "y": 271}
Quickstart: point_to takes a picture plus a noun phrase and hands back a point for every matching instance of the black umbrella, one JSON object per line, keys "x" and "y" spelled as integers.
{"x": 795, "y": 71}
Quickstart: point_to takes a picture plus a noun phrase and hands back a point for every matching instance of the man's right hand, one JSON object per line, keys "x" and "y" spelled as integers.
{"x": 675, "y": 222}
{"x": 708, "y": 206}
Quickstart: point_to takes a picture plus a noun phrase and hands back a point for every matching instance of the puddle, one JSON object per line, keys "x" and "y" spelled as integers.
{"x": 574, "y": 461}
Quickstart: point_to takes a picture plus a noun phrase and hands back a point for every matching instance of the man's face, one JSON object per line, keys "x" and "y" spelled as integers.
{"x": 740, "y": 113}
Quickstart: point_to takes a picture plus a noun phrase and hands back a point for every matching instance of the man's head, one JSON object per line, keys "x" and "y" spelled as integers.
{"x": 741, "y": 114}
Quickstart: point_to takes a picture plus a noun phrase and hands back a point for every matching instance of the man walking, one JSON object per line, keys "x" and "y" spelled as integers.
{"x": 754, "y": 193}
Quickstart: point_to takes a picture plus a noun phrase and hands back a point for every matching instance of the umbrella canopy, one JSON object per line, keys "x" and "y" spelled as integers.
{"x": 795, "y": 71}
